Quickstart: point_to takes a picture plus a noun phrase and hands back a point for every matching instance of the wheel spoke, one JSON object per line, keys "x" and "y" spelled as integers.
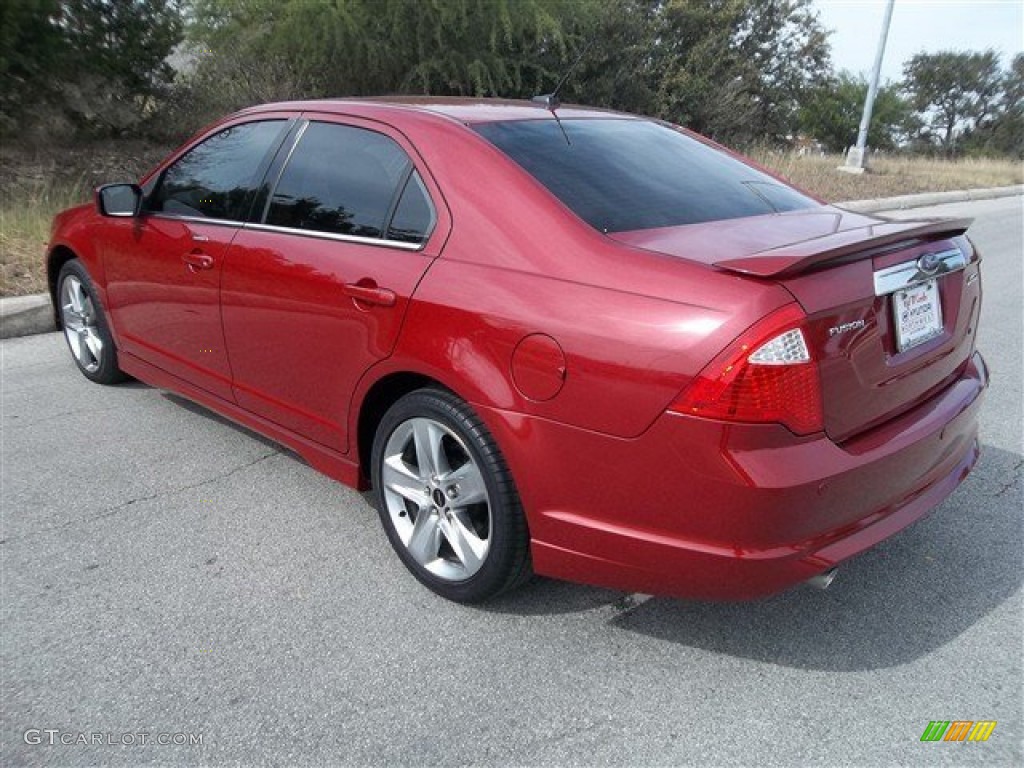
{"x": 468, "y": 547}
{"x": 425, "y": 540}
{"x": 399, "y": 478}
{"x": 76, "y": 296}
{"x": 429, "y": 449}
{"x": 75, "y": 342}
{"x": 94, "y": 344}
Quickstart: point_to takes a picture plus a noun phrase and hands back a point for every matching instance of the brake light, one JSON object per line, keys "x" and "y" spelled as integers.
{"x": 767, "y": 375}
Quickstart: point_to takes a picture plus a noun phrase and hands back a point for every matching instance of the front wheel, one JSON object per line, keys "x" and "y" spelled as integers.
{"x": 85, "y": 325}
{"x": 446, "y": 498}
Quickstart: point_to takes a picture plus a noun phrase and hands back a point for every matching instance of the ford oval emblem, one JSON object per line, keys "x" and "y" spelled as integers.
{"x": 929, "y": 263}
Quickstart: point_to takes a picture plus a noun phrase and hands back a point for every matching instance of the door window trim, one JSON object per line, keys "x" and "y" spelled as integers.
{"x": 378, "y": 241}
{"x": 193, "y": 219}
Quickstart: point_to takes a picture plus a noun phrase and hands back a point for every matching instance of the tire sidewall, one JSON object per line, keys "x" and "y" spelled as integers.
{"x": 502, "y": 556}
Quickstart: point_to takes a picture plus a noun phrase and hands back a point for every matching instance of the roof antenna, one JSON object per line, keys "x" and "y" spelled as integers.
{"x": 550, "y": 100}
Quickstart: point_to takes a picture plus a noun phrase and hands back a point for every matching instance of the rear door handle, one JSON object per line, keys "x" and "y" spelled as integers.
{"x": 198, "y": 260}
{"x": 370, "y": 293}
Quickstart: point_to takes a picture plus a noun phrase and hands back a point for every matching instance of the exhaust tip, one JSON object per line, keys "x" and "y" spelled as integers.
{"x": 824, "y": 579}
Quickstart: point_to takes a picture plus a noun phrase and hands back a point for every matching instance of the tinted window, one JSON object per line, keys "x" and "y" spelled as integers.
{"x": 339, "y": 179}
{"x": 217, "y": 178}
{"x": 622, "y": 175}
{"x": 413, "y": 215}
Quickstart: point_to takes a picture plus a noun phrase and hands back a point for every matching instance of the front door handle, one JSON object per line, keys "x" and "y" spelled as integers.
{"x": 369, "y": 292}
{"x": 197, "y": 260}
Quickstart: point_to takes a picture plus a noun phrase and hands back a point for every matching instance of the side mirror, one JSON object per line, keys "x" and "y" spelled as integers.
{"x": 119, "y": 200}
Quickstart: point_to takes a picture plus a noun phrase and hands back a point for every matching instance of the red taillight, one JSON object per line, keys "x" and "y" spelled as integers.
{"x": 767, "y": 375}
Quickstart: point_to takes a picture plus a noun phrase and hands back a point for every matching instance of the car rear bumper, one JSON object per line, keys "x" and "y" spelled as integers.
{"x": 704, "y": 509}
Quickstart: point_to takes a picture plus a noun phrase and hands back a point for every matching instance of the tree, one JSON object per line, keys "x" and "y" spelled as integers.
{"x": 953, "y": 91}
{"x": 123, "y": 40}
{"x": 735, "y": 69}
{"x": 363, "y": 47}
{"x": 98, "y": 61}
{"x": 738, "y": 69}
{"x": 621, "y": 55}
{"x": 30, "y": 48}
{"x": 118, "y": 51}
{"x": 703, "y": 81}
{"x": 785, "y": 53}
{"x": 1003, "y": 132}
{"x": 832, "y": 112}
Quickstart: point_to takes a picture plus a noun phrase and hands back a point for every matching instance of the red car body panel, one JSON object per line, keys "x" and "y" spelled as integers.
{"x": 572, "y": 346}
{"x": 163, "y": 309}
{"x": 786, "y": 243}
{"x": 283, "y": 303}
{"x": 665, "y": 515}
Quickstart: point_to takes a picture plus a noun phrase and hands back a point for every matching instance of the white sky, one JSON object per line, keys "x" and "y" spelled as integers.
{"x": 919, "y": 26}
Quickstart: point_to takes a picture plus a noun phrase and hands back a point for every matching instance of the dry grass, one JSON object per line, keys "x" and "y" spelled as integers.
{"x": 35, "y": 186}
{"x": 25, "y": 215}
{"x": 889, "y": 176}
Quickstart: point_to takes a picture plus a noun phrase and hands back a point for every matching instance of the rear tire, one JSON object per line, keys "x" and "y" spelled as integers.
{"x": 447, "y": 500}
{"x": 85, "y": 325}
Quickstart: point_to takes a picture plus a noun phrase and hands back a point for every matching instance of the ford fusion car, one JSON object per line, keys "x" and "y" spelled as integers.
{"x": 568, "y": 341}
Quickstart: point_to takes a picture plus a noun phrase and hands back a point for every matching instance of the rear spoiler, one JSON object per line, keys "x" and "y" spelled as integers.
{"x": 847, "y": 245}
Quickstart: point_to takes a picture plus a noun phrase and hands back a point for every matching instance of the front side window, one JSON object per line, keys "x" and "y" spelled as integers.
{"x": 217, "y": 179}
{"x": 621, "y": 175}
{"x": 339, "y": 180}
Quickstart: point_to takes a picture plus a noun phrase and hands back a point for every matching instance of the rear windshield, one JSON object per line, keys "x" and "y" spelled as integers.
{"x": 622, "y": 175}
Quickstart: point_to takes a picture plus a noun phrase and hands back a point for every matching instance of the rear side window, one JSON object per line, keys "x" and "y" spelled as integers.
{"x": 340, "y": 180}
{"x": 414, "y": 215}
{"x": 621, "y": 175}
{"x": 217, "y": 179}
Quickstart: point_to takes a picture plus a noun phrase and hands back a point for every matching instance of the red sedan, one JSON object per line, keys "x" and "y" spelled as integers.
{"x": 576, "y": 343}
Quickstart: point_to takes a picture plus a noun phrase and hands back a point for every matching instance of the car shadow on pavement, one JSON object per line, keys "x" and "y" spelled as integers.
{"x": 548, "y": 597}
{"x": 897, "y": 602}
{"x": 199, "y": 410}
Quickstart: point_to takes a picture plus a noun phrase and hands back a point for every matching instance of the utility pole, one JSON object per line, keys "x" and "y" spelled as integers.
{"x": 856, "y": 156}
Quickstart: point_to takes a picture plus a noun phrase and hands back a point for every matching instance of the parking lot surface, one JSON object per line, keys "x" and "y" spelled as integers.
{"x": 167, "y": 573}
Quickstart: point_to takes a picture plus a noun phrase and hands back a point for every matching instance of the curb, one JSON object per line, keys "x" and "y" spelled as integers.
{"x": 929, "y": 198}
{"x": 26, "y": 315}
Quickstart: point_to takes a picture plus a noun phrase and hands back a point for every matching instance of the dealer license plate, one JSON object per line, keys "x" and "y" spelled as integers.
{"x": 918, "y": 314}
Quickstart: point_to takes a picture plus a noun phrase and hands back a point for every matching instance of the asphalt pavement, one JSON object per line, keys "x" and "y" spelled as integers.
{"x": 169, "y": 576}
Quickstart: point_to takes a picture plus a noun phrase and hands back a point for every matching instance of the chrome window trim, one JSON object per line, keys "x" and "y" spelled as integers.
{"x": 336, "y": 237}
{"x": 908, "y": 274}
{"x": 193, "y": 219}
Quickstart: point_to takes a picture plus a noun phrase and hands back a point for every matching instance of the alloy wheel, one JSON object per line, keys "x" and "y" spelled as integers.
{"x": 437, "y": 499}
{"x": 78, "y": 316}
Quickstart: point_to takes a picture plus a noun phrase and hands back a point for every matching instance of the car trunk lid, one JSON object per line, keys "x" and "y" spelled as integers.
{"x": 892, "y": 305}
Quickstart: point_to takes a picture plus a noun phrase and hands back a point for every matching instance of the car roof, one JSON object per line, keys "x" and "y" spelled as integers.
{"x": 464, "y": 110}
